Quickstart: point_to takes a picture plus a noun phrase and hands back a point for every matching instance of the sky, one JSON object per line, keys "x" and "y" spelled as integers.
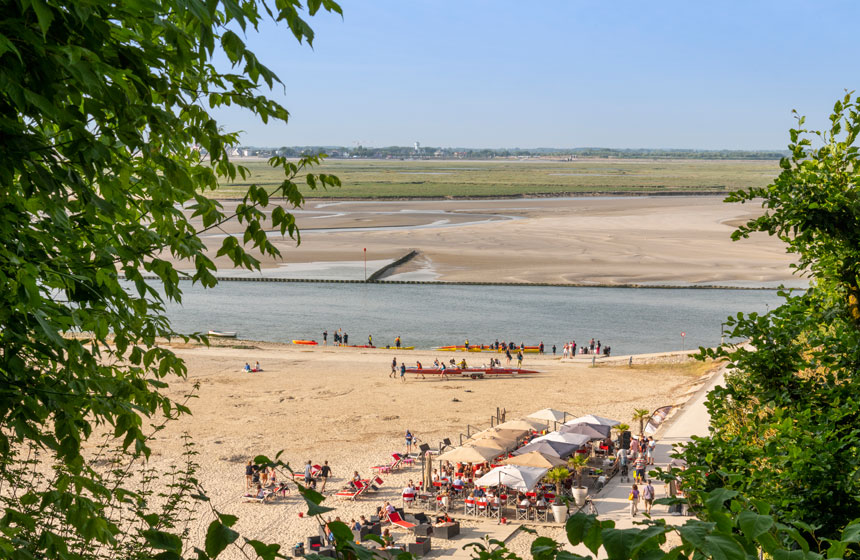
{"x": 564, "y": 74}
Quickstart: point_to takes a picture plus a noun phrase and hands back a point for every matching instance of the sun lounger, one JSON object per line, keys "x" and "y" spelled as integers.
{"x": 316, "y": 470}
{"x": 253, "y": 498}
{"x": 393, "y": 465}
{"x": 395, "y": 519}
{"x": 353, "y": 493}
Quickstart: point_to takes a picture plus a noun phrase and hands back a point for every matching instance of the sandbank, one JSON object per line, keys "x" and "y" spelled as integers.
{"x": 678, "y": 240}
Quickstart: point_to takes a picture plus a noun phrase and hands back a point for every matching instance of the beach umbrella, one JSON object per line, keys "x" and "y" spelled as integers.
{"x": 576, "y": 439}
{"x": 428, "y": 469}
{"x": 522, "y": 424}
{"x": 498, "y": 445}
{"x": 469, "y": 454}
{"x": 594, "y": 431}
{"x": 557, "y": 449}
{"x": 506, "y": 433}
{"x": 593, "y": 419}
{"x": 549, "y": 414}
{"x": 513, "y": 476}
{"x": 535, "y": 459}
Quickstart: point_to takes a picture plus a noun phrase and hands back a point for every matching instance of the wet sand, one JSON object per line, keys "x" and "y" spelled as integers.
{"x": 586, "y": 240}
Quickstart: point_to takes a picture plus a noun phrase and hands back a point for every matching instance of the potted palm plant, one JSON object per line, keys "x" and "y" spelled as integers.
{"x": 577, "y": 464}
{"x": 557, "y": 476}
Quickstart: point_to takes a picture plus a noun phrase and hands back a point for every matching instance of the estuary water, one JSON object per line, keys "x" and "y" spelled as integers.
{"x": 630, "y": 320}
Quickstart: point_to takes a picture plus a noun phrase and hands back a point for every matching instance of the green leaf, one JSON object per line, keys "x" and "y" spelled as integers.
{"x": 722, "y": 547}
{"x": 313, "y": 499}
{"x": 219, "y": 537}
{"x": 162, "y": 540}
{"x": 851, "y": 534}
{"x": 754, "y": 525}
{"x": 543, "y": 548}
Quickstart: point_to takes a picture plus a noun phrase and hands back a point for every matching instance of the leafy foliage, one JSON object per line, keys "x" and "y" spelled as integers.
{"x": 104, "y": 113}
{"x": 786, "y": 426}
{"x": 742, "y": 532}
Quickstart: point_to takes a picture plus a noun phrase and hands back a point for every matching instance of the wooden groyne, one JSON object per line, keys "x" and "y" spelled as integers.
{"x": 385, "y": 270}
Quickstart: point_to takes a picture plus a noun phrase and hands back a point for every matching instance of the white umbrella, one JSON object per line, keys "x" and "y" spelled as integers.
{"x": 535, "y": 459}
{"x": 492, "y": 443}
{"x": 515, "y": 477}
{"x": 549, "y": 414}
{"x": 576, "y": 439}
{"x": 472, "y": 454}
{"x": 592, "y": 419}
{"x": 522, "y": 424}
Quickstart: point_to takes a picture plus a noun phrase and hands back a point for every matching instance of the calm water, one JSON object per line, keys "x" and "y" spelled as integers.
{"x": 629, "y": 320}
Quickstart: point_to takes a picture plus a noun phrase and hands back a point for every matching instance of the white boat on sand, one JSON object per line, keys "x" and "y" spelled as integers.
{"x": 223, "y": 334}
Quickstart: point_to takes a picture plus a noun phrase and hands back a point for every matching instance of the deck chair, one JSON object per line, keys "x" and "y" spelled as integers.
{"x": 256, "y": 500}
{"x": 408, "y": 498}
{"x": 397, "y": 460}
{"x": 395, "y": 519}
{"x": 481, "y": 507}
{"x": 469, "y": 506}
{"x": 541, "y": 513}
{"x": 353, "y": 493}
{"x": 522, "y": 512}
{"x": 375, "y": 483}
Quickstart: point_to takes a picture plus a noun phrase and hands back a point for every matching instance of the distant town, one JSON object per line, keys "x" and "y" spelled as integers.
{"x": 419, "y": 152}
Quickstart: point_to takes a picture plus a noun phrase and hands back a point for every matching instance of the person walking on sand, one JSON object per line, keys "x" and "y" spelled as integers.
{"x": 325, "y": 472}
{"x": 634, "y": 500}
{"x": 520, "y": 359}
{"x": 393, "y": 368}
{"x": 648, "y": 496}
{"x": 370, "y": 340}
{"x": 345, "y": 339}
{"x": 409, "y": 439}
{"x": 508, "y": 356}
{"x": 309, "y": 478}
{"x": 325, "y": 337}
{"x": 403, "y": 372}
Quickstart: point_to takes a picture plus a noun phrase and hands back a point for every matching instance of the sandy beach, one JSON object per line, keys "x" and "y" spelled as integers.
{"x": 340, "y": 405}
{"x": 579, "y": 240}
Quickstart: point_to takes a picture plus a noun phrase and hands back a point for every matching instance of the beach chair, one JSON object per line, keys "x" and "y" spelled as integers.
{"x": 397, "y": 461}
{"x": 254, "y": 499}
{"x": 541, "y": 513}
{"x": 375, "y": 483}
{"x": 353, "y": 493}
{"x": 481, "y": 507}
{"x": 408, "y": 498}
{"x": 395, "y": 519}
{"x": 469, "y": 506}
{"x": 494, "y": 510}
{"x": 522, "y": 512}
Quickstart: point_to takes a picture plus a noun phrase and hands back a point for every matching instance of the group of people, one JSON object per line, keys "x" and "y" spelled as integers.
{"x": 261, "y": 482}
{"x": 570, "y": 349}
{"x": 339, "y": 337}
{"x": 248, "y": 369}
{"x": 641, "y": 452}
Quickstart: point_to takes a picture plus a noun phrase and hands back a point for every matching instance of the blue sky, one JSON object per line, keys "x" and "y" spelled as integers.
{"x": 498, "y": 74}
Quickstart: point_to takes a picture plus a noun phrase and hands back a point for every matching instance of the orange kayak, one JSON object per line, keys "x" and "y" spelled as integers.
{"x": 306, "y": 342}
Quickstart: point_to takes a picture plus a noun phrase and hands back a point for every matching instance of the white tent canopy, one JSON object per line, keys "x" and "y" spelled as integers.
{"x": 576, "y": 439}
{"x": 549, "y": 414}
{"x": 515, "y": 477}
{"x": 469, "y": 454}
{"x": 592, "y": 419}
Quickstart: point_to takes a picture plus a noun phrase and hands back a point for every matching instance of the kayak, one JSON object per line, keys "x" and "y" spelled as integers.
{"x": 528, "y": 350}
{"x": 223, "y": 334}
{"x": 400, "y": 348}
{"x": 471, "y": 372}
{"x": 306, "y": 342}
{"x": 358, "y": 346}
